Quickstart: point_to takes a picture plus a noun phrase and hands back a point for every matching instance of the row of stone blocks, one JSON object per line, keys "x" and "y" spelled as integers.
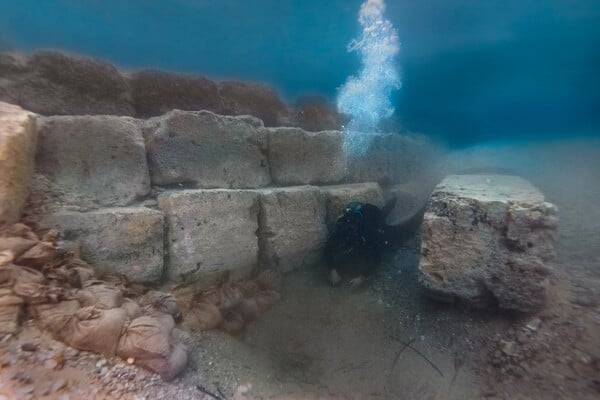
{"x": 113, "y": 161}
{"x": 94, "y": 175}
{"x": 199, "y": 234}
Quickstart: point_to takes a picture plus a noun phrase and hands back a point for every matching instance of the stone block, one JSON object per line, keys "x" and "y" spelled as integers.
{"x": 393, "y": 158}
{"x": 338, "y": 196}
{"x": 207, "y": 150}
{"x": 128, "y": 240}
{"x": 17, "y": 151}
{"x": 292, "y": 227}
{"x": 487, "y": 240}
{"x": 102, "y": 158}
{"x": 210, "y": 232}
{"x": 298, "y": 157}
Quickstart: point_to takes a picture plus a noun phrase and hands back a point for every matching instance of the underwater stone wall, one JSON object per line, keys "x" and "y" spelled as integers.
{"x": 192, "y": 194}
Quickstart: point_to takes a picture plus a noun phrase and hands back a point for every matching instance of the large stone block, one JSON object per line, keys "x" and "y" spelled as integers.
{"x": 51, "y": 83}
{"x": 17, "y": 150}
{"x": 292, "y": 227}
{"x": 127, "y": 240}
{"x": 210, "y": 232}
{"x": 393, "y": 158}
{"x": 338, "y": 196}
{"x": 487, "y": 240}
{"x": 298, "y": 157}
{"x": 207, "y": 150}
{"x": 102, "y": 158}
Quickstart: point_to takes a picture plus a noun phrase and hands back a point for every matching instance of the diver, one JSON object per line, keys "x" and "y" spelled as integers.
{"x": 359, "y": 237}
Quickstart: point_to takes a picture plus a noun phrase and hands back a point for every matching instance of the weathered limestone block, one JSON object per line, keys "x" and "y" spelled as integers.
{"x": 51, "y": 83}
{"x": 207, "y": 150}
{"x": 99, "y": 157}
{"x": 298, "y": 157}
{"x": 210, "y": 232}
{"x": 486, "y": 240}
{"x": 392, "y": 158}
{"x": 338, "y": 196}
{"x": 127, "y": 240}
{"x": 292, "y": 227}
{"x": 17, "y": 151}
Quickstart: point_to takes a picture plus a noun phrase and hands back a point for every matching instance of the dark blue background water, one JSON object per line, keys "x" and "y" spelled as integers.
{"x": 472, "y": 70}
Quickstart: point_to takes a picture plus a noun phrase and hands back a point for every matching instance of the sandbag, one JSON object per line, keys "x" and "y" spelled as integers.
{"x": 269, "y": 280}
{"x": 39, "y": 255}
{"x": 167, "y": 367}
{"x": 202, "y": 316}
{"x": 55, "y": 317}
{"x": 155, "y": 301}
{"x": 266, "y": 299}
{"x": 19, "y": 230}
{"x": 144, "y": 337}
{"x": 17, "y": 245}
{"x": 99, "y": 294}
{"x": 11, "y": 307}
{"x": 132, "y": 309}
{"x": 94, "y": 329}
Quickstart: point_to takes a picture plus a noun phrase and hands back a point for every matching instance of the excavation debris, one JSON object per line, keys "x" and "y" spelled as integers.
{"x": 41, "y": 279}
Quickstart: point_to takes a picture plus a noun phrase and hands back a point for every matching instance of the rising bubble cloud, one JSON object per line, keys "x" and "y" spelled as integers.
{"x": 366, "y": 96}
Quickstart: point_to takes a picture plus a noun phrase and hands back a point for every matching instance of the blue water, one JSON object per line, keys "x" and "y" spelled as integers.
{"x": 471, "y": 70}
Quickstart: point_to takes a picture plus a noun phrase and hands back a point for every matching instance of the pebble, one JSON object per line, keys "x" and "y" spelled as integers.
{"x": 130, "y": 360}
{"x": 29, "y": 347}
{"x": 71, "y": 352}
{"x": 58, "y": 385}
{"x": 101, "y": 363}
{"x": 50, "y": 364}
{"x": 23, "y": 390}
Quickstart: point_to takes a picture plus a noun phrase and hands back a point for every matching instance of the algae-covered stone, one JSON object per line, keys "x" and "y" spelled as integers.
{"x": 210, "y": 232}
{"x": 298, "y": 157}
{"x": 52, "y": 83}
{"x": 338, "y": 196}
{"x": 99, "y": 157}
{"x": 207, "y": 150}
{"x": 17, "y": 150}
{"x": 127, "y": 240}
{"x": 487, "y": 239}
{"x": 292, "y": 227}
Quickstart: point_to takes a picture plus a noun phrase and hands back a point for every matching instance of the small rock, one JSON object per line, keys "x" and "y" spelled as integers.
{"x": 534, "y": 324}
{"x": 130, "y": 360}
{"x": 25, "y": 390}
{"x": 58, "y": 385}
{"x": 508, "y": 348}
{"x": 50, "y": 364}
{"x": 101, "y": 363}
{"x": 29, "y": 347}
{"x": 71, "y": 352}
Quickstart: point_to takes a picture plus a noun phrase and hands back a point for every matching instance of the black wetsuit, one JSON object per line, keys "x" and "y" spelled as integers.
{"x": 361, "y": 234}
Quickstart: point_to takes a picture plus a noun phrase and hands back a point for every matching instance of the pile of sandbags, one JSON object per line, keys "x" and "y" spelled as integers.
{"x": 50, "y": 283}
{"x": 226, "y": 305}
